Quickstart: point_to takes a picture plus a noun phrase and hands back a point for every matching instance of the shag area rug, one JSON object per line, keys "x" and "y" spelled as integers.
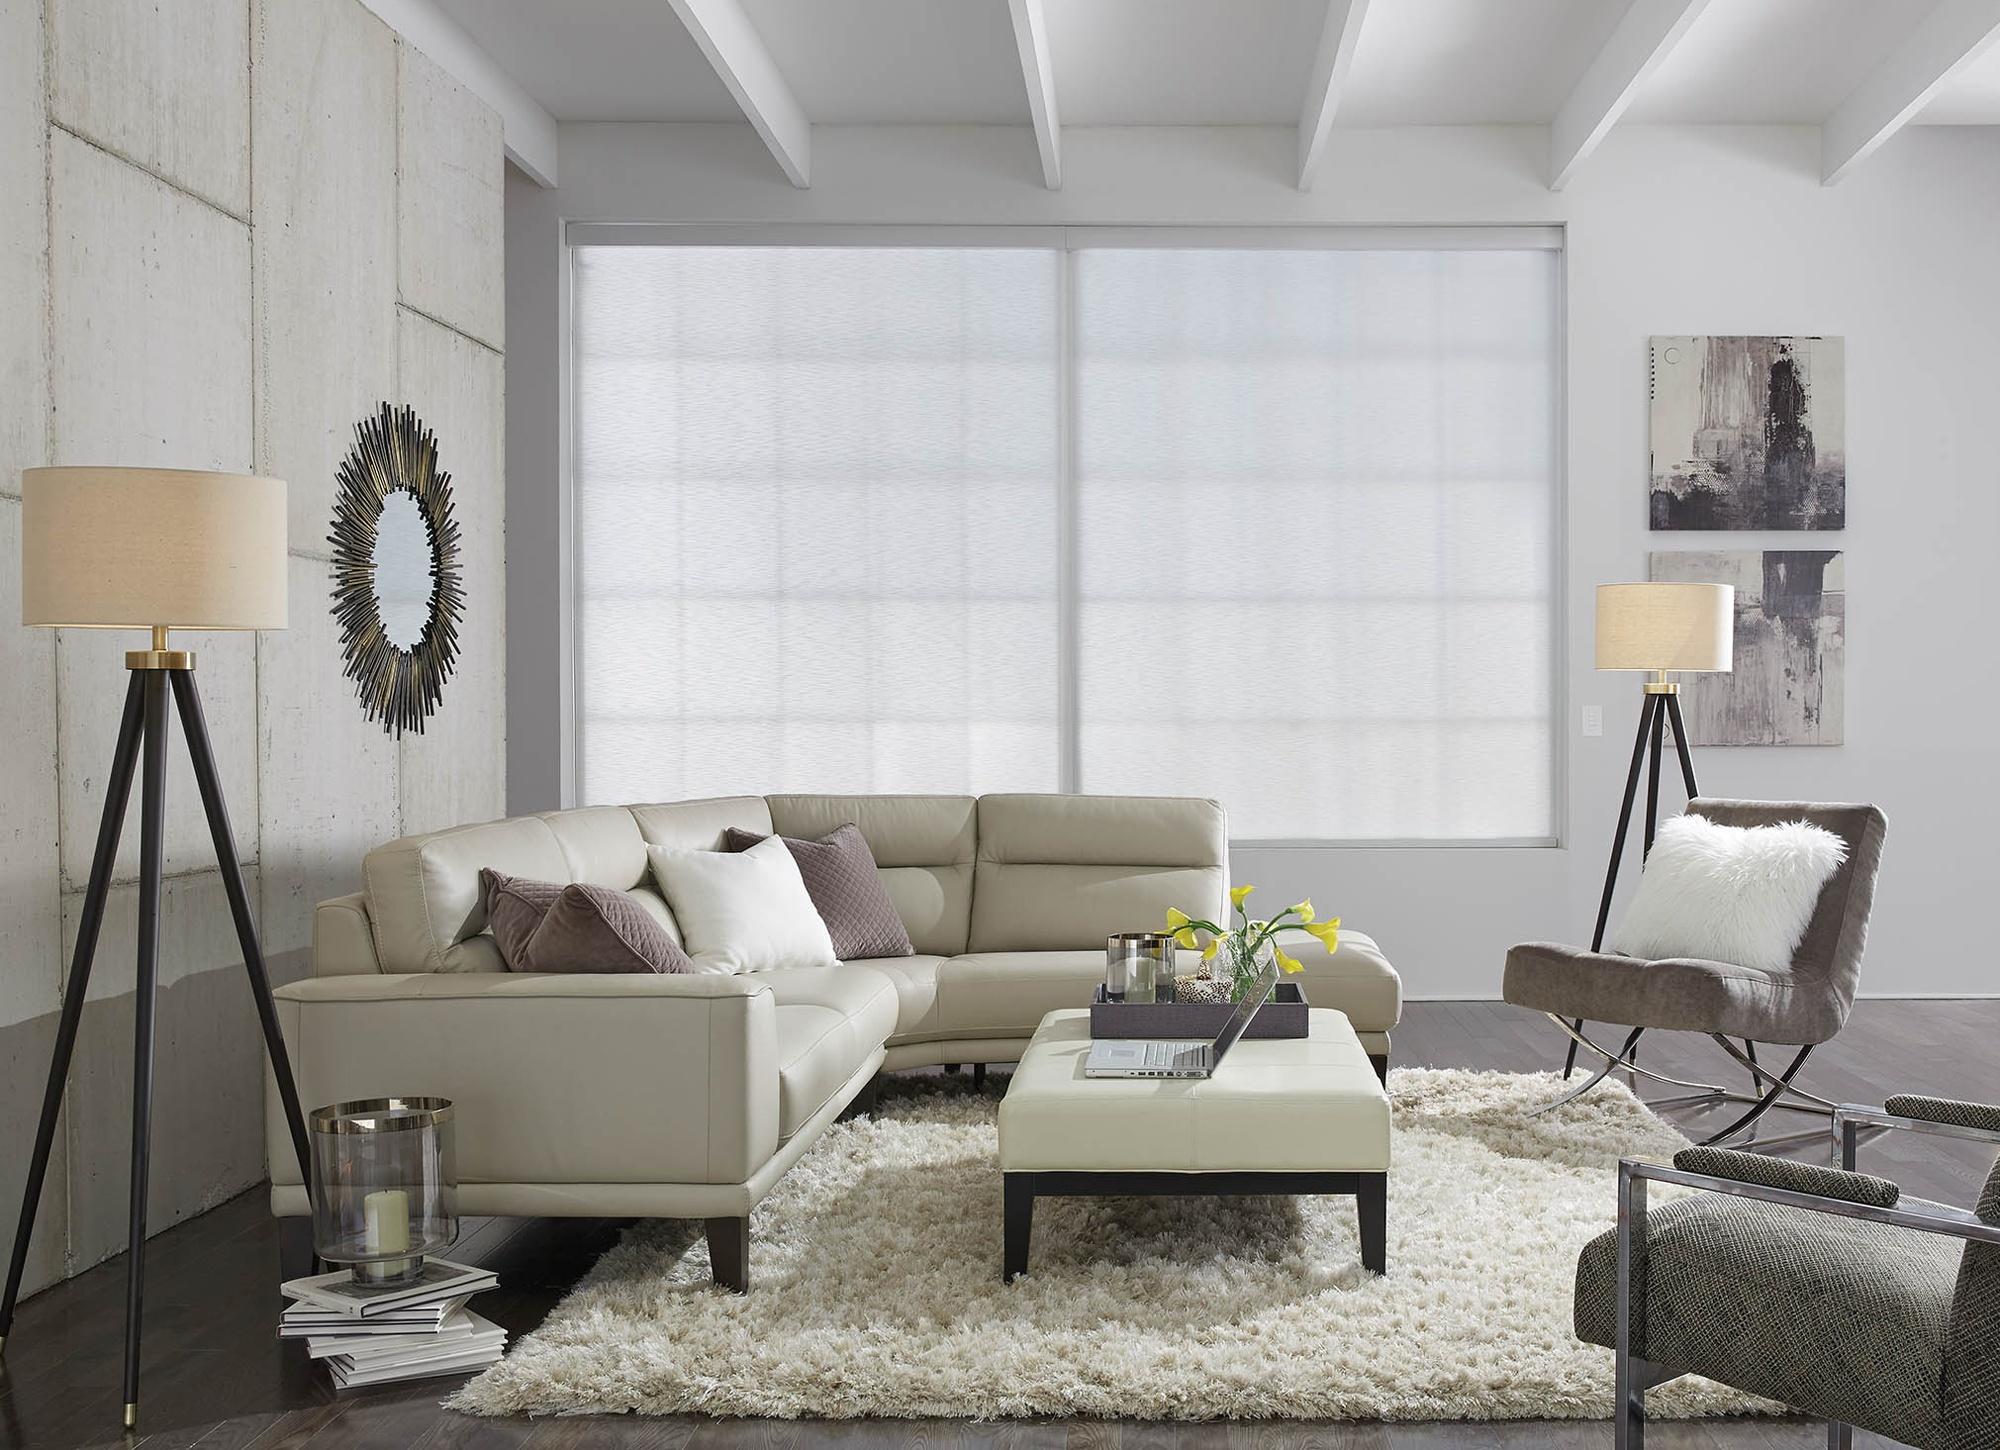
{"x": 875, "y": 1284}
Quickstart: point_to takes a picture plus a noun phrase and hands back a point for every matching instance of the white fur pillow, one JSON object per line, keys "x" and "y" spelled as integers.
{"x": 1742, "y": 894}
{"x": 742, "y": 911}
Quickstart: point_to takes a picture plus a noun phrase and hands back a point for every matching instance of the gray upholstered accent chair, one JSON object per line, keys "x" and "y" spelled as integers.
{"x": 1821, "y": 1288}
{"x": 1801, "y": 1007}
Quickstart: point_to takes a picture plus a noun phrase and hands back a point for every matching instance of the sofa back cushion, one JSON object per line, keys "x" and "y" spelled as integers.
{"x": 924, "y": 846}
{"x": 1062, "y": 873}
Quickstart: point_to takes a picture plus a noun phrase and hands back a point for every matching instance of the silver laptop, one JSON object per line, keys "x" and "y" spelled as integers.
{"x": 1165, "y": 1057}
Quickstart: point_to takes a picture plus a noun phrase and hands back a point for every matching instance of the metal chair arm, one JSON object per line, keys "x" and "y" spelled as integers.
{"x": 1850, "y": 1119}
{"x": 1951, "y": 1222}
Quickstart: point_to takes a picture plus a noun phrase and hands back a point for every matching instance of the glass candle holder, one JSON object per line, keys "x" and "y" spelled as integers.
{"x": 385, "y": 1187}
{"x": 1146, "y": 959}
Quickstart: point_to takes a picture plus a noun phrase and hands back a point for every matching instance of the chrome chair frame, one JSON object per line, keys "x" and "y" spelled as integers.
{"x": 1634, "y": 1376}
{"x": 1781, "y": 1086}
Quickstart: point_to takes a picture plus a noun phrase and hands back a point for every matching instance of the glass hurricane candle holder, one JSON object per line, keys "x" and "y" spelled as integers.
{"x": 385, "y": 1187}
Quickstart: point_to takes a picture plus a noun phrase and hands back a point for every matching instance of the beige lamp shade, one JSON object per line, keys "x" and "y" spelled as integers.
{"x": 1683, "y": 627}
{"x": 131, "y": 548}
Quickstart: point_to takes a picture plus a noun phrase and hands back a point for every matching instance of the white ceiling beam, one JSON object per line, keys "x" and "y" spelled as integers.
{"x": 738, "y": 53}
{"x": 1031, "y": 34}
{"x": 528, "y": 130}
{"x": 1328, "y": 79}
{"x": 1950, "y": 38}
{"x": 1649, "y": 30}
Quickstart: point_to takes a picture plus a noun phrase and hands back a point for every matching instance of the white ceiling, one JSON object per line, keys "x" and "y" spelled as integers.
{"x": 1209, "y": 62}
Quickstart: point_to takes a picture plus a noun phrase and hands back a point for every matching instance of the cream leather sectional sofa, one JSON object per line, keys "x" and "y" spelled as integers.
{"x": 688, "y": 1096}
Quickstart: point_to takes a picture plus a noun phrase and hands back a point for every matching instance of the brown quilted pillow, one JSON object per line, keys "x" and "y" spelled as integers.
{"x": 846, "y": 891}
{"x": 540, "y": 926}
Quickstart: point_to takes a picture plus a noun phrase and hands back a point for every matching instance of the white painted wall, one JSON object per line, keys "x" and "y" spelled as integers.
{"x": 1671, "y": 230}
{"x": 227, "y": 232}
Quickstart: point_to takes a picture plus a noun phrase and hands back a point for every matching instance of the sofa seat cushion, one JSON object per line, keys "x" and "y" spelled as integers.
{"x": 1006, "y": 994}
{"x": 830, "y": 1021}
{"x": 1356, "y": 980}
{"x": 916, "y": 983}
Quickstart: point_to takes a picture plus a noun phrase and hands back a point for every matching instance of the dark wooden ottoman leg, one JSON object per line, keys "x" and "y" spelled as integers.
{"x": 1371, "y": 1209}
{"x": 978, "y": 1076}
{"x": 1018, "y": 1213}
{"x": 729, "y": 1253}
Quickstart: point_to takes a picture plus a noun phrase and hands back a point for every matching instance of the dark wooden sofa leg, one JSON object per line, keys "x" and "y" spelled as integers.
{"x": 1380, "y": 1062}
{"x": 1018, "y": 1213}
{"x": 978, "y": 1076}
{"x": 729, "y": 1253}
{"x": 1371, "y": 1209}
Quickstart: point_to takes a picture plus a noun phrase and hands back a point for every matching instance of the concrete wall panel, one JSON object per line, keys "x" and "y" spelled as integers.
{"x": 24, "y": 1073}
{"x": 197, "y": 933}
{"x": 208, "y": 1113}
{"x": 324, "y": 242}
{"x": 29, "y": 939}
{"x": 456, "y": 771}
{"x": 24, "y": 245}
{"x": 329, "y": 772}
{"x": 155, "y": 316}
{"x": 151, "y": 295}
{"x": 166, "y": 84}
{"x": 452, "y": 201}
{"x": 91, "y": 684}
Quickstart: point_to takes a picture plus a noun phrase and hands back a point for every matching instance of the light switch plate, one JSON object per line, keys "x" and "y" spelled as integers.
{"x": 1593, "y": 719}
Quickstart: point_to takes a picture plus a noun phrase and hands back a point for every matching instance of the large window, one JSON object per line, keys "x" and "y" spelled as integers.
{"x": 1271, "y": 522}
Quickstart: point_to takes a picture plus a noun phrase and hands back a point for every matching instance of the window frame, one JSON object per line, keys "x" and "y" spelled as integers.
{"x": 1066, "y": 241}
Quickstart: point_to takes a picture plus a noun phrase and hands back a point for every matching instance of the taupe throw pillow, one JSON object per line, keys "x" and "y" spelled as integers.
{"x": 540, "y": 926}
{"x": 846, "y": 891}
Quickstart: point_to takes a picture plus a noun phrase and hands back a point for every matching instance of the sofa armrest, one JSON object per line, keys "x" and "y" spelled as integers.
{"x": 343, "y": 942}
{"x": 1357, "y": 979}
{"x": 557, "y": 1079}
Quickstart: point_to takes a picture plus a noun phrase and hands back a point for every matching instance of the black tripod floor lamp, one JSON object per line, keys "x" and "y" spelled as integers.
{"x": 1661, "y": 629}
{"x": 149, "y": 548}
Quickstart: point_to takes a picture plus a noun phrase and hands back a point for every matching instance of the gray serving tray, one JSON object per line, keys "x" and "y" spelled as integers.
{"x": 1284, "y": 1015}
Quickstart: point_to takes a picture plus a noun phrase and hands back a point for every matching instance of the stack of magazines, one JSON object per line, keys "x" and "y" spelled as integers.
{"x": 372, "y": 1334}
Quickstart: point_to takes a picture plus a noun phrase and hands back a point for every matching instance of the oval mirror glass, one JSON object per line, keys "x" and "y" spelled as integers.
{"x": 404, "y": 579}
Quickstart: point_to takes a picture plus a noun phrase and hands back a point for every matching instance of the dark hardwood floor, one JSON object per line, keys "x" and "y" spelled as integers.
{"x": 215, "y": 1376}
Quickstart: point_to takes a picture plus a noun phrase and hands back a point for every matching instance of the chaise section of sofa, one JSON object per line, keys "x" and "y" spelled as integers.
{"x": 690, "y": 1095}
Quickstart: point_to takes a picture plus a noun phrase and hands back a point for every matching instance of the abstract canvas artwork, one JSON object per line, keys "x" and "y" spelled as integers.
{"x": 1749, "y": 433}
{"x": 1789, "y": 683}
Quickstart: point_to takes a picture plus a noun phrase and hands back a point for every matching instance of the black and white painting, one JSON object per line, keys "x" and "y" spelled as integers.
{"x": 1749, "y": 433}
{"x": 1788, "y": 686}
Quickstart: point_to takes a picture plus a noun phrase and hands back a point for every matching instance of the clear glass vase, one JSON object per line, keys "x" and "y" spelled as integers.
{"x": 1239, "y": 966}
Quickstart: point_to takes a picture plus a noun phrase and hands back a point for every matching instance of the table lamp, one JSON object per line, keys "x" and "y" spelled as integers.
{"x": 153, "y": 549}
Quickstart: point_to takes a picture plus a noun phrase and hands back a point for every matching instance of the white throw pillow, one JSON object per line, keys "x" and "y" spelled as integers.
{"x": 1742, "y": 894}
{"x": 742, "y": 911}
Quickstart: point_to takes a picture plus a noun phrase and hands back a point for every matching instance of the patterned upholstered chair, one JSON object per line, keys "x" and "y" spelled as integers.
{"x": 1801, "y": 1007}
{"x": 1818, "y": 1287}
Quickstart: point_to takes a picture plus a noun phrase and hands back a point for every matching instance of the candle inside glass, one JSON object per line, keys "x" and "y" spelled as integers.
{"x": 387, "y": 1229}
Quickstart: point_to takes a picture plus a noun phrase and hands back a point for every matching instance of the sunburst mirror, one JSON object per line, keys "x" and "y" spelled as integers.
{"x": 397, "y": 594}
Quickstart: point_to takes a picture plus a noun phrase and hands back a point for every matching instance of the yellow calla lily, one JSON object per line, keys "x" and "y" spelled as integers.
{"x": 1328, "y": 933}
{"x": 1176, "y": 918}
{"x": 1185, "y": 938}
{"x": 1208, "y": 952}
{"x": 1305, "y": 910}
{"x": 1286, "y": 961}
{"x": 1237, "y": 894}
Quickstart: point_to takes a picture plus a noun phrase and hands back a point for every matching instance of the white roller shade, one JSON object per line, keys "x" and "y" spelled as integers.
{"x": 1316, "y": 504}
{"x": 815, "y": 503}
